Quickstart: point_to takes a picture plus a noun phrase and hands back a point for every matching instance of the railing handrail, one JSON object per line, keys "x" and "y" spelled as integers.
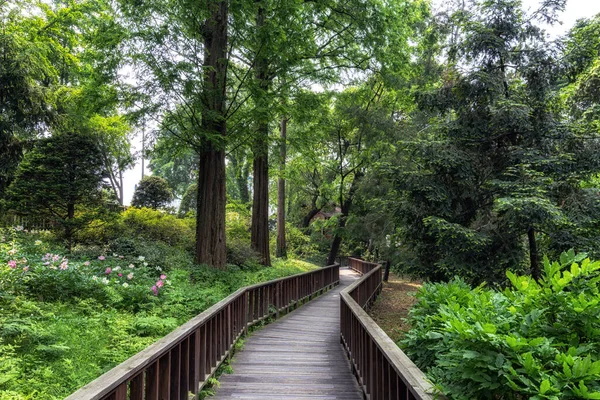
{"x": 285, "y": 278}
{"x": 413, "y": 378}
{"x": 131, "y": 367}
{"x": 110, "y": 383}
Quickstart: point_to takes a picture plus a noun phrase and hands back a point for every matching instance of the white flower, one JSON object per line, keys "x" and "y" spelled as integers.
{"x": 94, "y": 278}
{"x": 141, "y": 258}
{"x": 125, "y": 284}
{"x": 116, "y": 268}
{"x": 145, "y": 264}
{"x": 38, "y": 242}
{"x": 19, "y": 228}
{"x": 115, "y": 255}
{"x": 105, "y": 281}
{"x": 130, "y": 276}
{"x": 131, "y": 266}
{"x": 158, "y": 268}
{"x": 168, "y": 282}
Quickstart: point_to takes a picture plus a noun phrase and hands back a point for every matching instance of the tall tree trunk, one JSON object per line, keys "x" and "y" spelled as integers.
{"x": 69, "y": 225}
{"x": 210, "y": 215}
{"x": 346, "y": 205}
{"x": 243, "y": 182}
{"x": 281, "y": 250}
{"x": 533, "y": 255}
{"x": 260, "y": 202}
{"x": 121, "y": 195}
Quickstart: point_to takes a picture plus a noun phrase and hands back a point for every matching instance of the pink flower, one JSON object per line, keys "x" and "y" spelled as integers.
{"x": 64, "y": 266}
{"x": 108, "y": 271}
{"x": 26, "y": 268}
{"x": 160, "y": 284}
{"x": 55, "y": 257}
{"x": 155, "y": 290}
{"x": 121, "y": 257}
{"x": 12, "y": 264}
{"x": 130, "y": 276}
{"x": 101, "y": 258}
{"x": 47, "y": 263}
{"x": 120, "y": 274}
{"x": 87, "y": 263}
{"x": 163, "y": 277}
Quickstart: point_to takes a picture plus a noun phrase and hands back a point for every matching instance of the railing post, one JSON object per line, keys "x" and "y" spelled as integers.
{"x": 277, "y": 298}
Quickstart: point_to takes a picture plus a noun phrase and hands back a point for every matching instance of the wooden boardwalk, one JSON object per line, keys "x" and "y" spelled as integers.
{"x": 297, "y": 357}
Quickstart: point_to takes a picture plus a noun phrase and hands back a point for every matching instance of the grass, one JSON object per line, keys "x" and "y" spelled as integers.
{"x": 392, "y": 306}
{"x": 50, "y": 345}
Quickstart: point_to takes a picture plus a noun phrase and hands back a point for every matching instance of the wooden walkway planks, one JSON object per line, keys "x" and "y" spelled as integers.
{"x": 297, "y": 357}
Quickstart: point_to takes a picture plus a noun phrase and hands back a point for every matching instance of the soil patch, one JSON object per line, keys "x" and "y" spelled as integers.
{"x": 390, "y": 309}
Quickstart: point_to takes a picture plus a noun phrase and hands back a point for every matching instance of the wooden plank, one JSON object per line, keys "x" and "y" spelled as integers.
{"x": 296, "y": 357}
{"x": 136, "y": 388}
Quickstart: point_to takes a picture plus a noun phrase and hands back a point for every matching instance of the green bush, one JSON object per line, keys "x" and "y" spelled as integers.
{"x": 157, "y": 225}
{"x": 538, "y": 340}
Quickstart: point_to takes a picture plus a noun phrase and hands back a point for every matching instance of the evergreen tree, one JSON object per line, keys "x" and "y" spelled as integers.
{"x": 152, "y": 192}
{"x": 493, "y": 166}
{"x": 60, "y": 179}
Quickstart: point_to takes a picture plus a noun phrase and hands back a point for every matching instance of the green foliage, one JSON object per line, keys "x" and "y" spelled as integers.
{"x": 489, "y": 176}
{"x": 158, "y": 225}
{"x": 65, "y": 321}
{"x": 538, "y": 340}
{"x": 60, "y": 179}
{"x": 153, "y": 192}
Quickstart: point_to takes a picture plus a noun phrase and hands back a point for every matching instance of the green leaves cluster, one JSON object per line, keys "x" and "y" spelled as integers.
{"x": 539, "y": 340}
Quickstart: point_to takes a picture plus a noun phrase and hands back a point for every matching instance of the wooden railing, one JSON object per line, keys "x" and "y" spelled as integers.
{"x": 183, "y": 361}
{"x": 382, "y": 369}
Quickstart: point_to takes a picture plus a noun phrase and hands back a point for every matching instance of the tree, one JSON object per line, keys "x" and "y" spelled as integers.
{"x": 152, "y": 192}
{"x": 170, "y": 37}
{"x": 25, "y": 77}
{"x": 490, "y": 164}
{"x": 60, "y": 179}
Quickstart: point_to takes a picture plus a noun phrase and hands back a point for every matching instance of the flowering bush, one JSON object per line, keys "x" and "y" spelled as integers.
{"x": 52, "y": 276}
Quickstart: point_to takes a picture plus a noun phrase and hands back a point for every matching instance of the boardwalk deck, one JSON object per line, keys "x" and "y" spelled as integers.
{"x": 297, "y": 357}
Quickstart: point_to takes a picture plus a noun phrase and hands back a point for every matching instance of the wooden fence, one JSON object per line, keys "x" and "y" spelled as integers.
{"x": 183, "y": 361}
{"x": 382, "y": 369}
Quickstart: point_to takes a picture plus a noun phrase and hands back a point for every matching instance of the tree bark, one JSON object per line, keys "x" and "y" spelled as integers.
{"x": 281, "y": 250}
{"x": 260, "y": 201}
{"x": 210, "y": 215}
{"x": 69, "y": 225}
{"x": 346, "y": 205}
{"x": 242, "y": 182}
{"x": 386, "y": 271}
{"x": 313, "y": 211}
{"x": 533, "y": 255}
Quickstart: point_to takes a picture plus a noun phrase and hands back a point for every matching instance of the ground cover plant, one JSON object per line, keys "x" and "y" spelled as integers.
{"x": 67, "y": 318}
{"x": 534, "y": 340}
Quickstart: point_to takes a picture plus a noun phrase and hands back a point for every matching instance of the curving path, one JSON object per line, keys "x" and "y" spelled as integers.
{"x": 296, "y": 357}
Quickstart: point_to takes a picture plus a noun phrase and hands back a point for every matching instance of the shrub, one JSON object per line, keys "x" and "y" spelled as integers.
{"x": 153, "y": 192}
{"x": 157, "y": 225}
{"x": 539, "y": 340}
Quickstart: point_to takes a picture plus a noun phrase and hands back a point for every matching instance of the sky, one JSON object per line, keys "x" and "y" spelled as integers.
{"x": 576, "y": 9}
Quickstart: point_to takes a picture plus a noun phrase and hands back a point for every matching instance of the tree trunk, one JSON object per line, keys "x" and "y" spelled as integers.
{"x": 346, "y": 205}
{"x": 386, "y": 271}
{"x": 281, "y": 250}
{"x": 69, "y": 225}
{"x": 243, "y": 183}
{"x": 210, "y": 214}
{"x": 260, "y": 202}
{"x": 260, "y": 210}
{"x": 121, "y": 195}
{"x": 533, "y": 255}
{"x": 309, "y": 216}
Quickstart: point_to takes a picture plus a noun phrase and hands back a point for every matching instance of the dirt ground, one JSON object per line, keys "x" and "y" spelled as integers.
{"x": 393, "y": 304}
